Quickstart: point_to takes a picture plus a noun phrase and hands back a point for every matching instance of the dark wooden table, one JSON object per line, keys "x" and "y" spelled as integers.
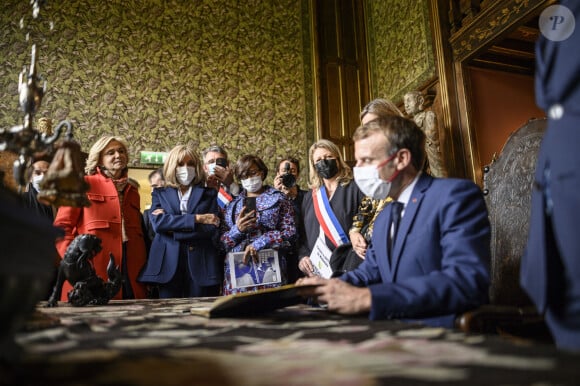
{"x": 159, "y": 342}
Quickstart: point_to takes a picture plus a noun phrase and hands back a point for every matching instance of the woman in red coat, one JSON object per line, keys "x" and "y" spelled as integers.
{"x": 114, "y": 216}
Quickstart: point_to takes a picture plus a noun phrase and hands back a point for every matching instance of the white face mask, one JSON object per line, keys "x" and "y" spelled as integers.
{"x": 36, "y": 180}
{"x": 185, "y": 174}
{"x": 252, "y": 184}
{"x": 368, "y": 180}
{"x": 211, "y": 168}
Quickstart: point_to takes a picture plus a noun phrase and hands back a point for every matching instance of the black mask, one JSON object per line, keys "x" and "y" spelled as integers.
{"x": 326, "y": 168}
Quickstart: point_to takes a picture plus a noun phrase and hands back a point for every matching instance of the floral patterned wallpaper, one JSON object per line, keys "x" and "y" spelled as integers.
{"x": 163, "y": 72}
{"x": 400, "y": 47}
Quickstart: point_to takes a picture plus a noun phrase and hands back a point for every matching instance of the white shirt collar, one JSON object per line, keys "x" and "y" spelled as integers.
{"x": 183, "y": 199}
{"x": 405, "y": 195}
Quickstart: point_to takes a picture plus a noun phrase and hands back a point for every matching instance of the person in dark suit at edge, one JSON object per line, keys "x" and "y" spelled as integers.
{"x": 438, "y": 266}
{"x": 156, "y": 180}
{"x": 550, "y": 267}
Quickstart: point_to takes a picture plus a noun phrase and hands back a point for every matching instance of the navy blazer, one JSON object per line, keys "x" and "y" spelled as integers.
{"x": 174, "y": 230}
{"x": 550, "y": 268}
{"x": 440, "y": 261}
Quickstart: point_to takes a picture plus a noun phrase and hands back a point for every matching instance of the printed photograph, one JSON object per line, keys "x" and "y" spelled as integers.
{"x": 265, "y": 271}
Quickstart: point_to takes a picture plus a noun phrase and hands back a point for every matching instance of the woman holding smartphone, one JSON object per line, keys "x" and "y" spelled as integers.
{"x": 260, "y": 219}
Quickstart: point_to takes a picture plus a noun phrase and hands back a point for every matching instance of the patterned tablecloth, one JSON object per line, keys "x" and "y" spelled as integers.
{"x": 159, "y": 342}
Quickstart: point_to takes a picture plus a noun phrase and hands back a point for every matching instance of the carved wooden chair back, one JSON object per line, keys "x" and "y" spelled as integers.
{"x": 507, "y": 185}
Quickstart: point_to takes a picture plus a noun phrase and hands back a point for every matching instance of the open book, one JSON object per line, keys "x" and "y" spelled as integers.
{"x": 251, "y": 303}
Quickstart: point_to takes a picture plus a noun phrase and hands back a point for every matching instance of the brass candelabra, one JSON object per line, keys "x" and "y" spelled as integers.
{"x": 64, "y": 183}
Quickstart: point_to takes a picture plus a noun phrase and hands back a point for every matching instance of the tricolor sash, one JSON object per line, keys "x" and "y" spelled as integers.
{"x": 327, "y": 219}
{"x": 224, "y": 197}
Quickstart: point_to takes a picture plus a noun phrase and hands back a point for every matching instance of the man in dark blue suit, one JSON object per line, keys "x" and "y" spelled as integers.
{"x": 436, "y": 265}
{"x": 550, "y": 270}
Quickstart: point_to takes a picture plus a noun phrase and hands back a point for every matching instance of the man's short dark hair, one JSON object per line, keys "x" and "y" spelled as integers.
{"x": 215, "y": 149}
{"x": 154, "y": 172}
{"x": 291, "y": 160}
{"x": 402, "y": 133}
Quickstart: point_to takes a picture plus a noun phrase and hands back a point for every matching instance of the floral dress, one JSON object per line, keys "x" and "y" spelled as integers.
{"x": 275, "y": 228}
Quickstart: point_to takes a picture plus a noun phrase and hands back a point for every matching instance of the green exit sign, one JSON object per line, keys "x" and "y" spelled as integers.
{"x": 153, "y": 157}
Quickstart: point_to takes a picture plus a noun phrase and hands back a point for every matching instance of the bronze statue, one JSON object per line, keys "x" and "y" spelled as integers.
{"x": 427, "y": 121}
{"x": 76, "y": 267}
{"x": 64, "y": 184}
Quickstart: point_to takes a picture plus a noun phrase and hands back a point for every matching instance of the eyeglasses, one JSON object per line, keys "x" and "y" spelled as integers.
{"x": 250, "y": 173}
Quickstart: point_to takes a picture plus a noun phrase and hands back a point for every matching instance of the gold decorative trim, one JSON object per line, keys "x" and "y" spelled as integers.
{"x": 490, "y": 23}
{"x": 441, "y": 67}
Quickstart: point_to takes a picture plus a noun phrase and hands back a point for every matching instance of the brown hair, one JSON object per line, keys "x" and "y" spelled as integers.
{"x": 245, "y": 162}
{"x": 401, "y": 133}
{"x": 291, "y": 160}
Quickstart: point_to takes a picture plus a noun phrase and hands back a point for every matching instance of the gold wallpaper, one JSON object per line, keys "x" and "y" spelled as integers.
{"x": 163, "y": 72}
{"x": 400, "y": 47}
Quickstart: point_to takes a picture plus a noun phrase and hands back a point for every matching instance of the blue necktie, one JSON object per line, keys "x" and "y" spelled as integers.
{"x": 396, "y": 209}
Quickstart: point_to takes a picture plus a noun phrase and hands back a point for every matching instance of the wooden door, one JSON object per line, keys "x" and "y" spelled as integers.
{"x": 342, "y": 70}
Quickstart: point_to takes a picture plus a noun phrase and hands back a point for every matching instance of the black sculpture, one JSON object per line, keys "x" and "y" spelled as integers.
{"x": 76, "y": 267}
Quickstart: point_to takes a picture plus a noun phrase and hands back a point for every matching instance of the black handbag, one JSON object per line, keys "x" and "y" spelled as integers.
{"x": 344, "y": 259}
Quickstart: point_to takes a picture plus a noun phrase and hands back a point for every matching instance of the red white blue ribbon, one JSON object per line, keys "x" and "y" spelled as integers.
{"x": 327, "y": 219}
{"x": 224, "y": 198}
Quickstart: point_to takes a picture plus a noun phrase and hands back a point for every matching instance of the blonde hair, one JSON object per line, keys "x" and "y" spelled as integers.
{"x": 344, "y": 175}
{"x": 380, "y": 107}
{"x": 95, "y": 153}
{"x": 175, "y": 156}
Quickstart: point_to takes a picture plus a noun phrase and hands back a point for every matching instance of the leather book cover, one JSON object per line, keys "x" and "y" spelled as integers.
{"x": 251, "y": 303}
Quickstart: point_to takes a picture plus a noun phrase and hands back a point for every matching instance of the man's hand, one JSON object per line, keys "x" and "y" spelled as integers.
{"x": 212, "y": 182}
{"x": 224, "y": 175}
{"x": 220, "y": 176}
{"x": 338, "y": 295}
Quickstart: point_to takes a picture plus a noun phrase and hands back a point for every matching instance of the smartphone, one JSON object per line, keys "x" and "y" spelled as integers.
{"x": 250, "y": 204}
{"x": 221, "y": 162}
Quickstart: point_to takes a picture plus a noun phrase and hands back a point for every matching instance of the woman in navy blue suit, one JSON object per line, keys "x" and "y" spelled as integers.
{"x": 183, "y": 259}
